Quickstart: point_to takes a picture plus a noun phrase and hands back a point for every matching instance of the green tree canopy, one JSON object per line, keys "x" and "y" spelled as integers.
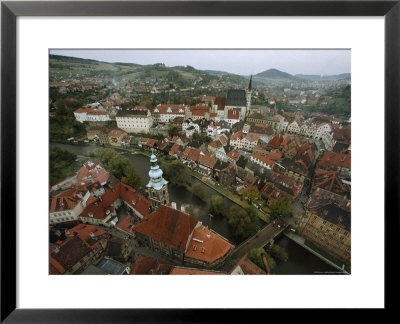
{"x": 240, "y": 221}
{"x": 251, "y": 193}
{"x": 119, "y": 166}
{"x": 173, "y": 131}
{"x": 281, "y": 207}
{"x": 200, "y": 191}
{"x": 255, "y": 255}
{"x": 279, "y": 252}
{"x": 61, "y": 163}
{"x": 176, "y": 172}
{"x": 216, "y": 205}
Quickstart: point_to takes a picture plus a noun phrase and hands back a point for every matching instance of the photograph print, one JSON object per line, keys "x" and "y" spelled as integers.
{"x": 199, "y": 162}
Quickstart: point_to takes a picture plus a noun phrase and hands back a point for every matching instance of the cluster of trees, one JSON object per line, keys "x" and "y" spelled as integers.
{"x": 63, "y": 123}
{"x": 119, "y": 166}
{"x": 200, "y": 191}
{"x": 176, "y": 172}
{"x": 243, "y": 221}
{"x": 279, "y": 252}
{"x": 281, "y": 207}
{"x": 62, "y": 164}
{"x": 251, "y": 193}
{"x": 255, "y": 255}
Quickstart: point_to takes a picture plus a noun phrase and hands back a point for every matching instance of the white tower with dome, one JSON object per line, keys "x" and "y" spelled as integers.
{"x": 157, "y": 187}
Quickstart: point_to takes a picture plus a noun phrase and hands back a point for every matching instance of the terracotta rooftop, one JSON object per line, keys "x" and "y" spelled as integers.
{"x": 207, "y": 245}
{"x": 233, "y": 155}
{"x": 168, "y": 226}
{"x": 233, "y": 114}
{"x": 93, "y": 172}
{"x": 220, "y": 102}
{"x": 134, "y": 199}
{"x": 127, "y": 224}
{"x": 332, "y": 159}
{"x": 263, "y": 159}
{"x": 69, "y": 253}
{"x": 187, "y": 271}
{"x": 144, "y": 265}
{"x": 207, "y": 160}
{"x": 276, "y": 141}
{"x": 85, "y": 231}
{"x": 248, "y": 267}
{"x": 169, "y": 109}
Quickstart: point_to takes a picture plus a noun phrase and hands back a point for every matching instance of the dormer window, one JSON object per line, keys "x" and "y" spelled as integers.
{"x": 90, "y": 214}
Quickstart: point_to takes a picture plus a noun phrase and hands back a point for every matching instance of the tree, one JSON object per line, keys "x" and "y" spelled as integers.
{"x": 199, "y": 191}
{"x": 251, "y": 193}
{"x": 61, "y": 164}
{"x": 216, "y": 205}
{"x": 255, "y": 255}
{"x": 173, "y": 131}
{"x": 241, "y": 222}
{"x": 176, "y": 172}
{"x": 279, "y": 252}
{"x": 281, "y": 207}
{"x": 119, "y": 166}
{"x": 131, "y": 178}
{"x": 252, "y": 212}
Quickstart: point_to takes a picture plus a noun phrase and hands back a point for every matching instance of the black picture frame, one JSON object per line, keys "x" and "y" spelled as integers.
{"x": 11, "y": 10}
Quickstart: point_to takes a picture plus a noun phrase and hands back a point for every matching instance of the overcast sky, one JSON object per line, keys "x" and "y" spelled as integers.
{"x": 243, "y": 62}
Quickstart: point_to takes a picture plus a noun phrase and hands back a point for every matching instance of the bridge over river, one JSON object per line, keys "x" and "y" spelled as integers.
{"x": 262, "y": 238}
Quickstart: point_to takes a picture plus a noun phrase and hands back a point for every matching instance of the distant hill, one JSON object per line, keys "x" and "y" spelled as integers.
{"x": 64, "y": 67}
{"x": 325, "y": 77}
{"x": 275, "y": 74}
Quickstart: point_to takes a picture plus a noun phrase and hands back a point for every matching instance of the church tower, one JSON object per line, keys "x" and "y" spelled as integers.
{"x": 157, "y": 187}
{"x": 248, "y": 95}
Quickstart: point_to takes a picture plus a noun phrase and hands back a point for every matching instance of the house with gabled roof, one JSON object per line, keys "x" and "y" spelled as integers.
{"x": 327, "y": 223}
{"x": 182, "y": 238}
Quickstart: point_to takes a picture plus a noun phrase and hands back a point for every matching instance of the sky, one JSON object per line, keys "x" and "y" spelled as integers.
{"x": 242, "y": 62}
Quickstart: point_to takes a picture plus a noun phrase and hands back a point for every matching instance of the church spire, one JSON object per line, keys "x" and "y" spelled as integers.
{"x": 157, "y": 186}
{"x": 250, "y": 83}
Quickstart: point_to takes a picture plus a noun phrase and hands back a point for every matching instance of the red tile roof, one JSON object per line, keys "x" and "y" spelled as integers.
{"x": 236, "y": 136}
{"x": 215, "y": 144}
{"x": 175, "y": 149}
{"x": 191, "y": 153}
{"x": 69, "y": 253}
{"x": 276, "y": 141}
{"x": 233, "y": 114}
{"x": 331, "y": 159}
{"x": 127, "y": 224}
{"x": 220, "y": 102}
{"x": 252, "y": 137}
{"x": 207, "y": 160}
{"x": 233, "y": 155}
{"x": 206, "y": 245}
{"x": 168, "y": 226}
{"x": 223, "y": 139}
{"x": 163, "y": 109}
{"x": 85, "y": 231}
{"x": 93, "y": 171}
{"x": 134, "y": 199}
{"x": 187, "y": 271}
{"x": 263, "y": 159}
{"x": 146, "y": 265}
{"x": 248, "y": 267}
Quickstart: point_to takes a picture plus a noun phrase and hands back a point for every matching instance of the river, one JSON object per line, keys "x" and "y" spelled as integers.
{"x": 300, "y": 260}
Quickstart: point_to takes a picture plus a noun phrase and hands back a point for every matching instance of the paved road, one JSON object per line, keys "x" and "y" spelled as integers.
{"x": 259, "y": 240}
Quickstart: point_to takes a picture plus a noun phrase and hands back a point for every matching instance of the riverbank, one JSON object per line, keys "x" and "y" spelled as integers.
{"x": 301, "y": 241}
{"x": 229, "y": 195}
